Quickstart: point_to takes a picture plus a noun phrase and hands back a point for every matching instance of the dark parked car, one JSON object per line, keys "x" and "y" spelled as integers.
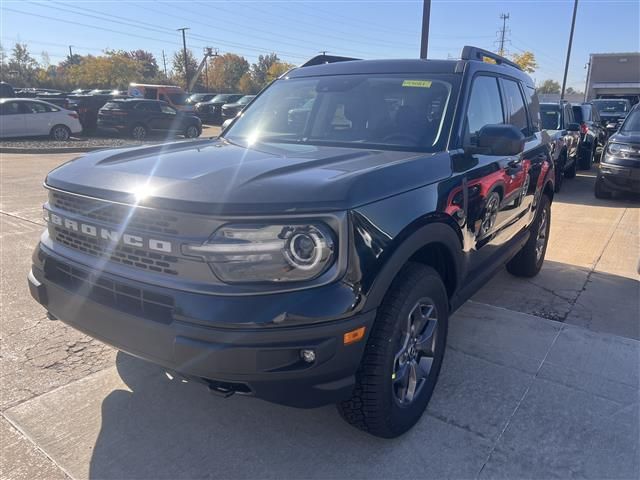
{"x": 211, "y": 111}
{"x": 612, "y": 112}
{"x": 139, "y": 117}
{"x": 199, "y": 97}
{"x": 558, "y": 120}
{"x": 6, "y": 90}
{"x": 312, "y": 265}
{"x": 231, "y": 110}
{"x": 620, "y": 165}
{"x": 87, "y": 107}
{"x": 592, "y": 133}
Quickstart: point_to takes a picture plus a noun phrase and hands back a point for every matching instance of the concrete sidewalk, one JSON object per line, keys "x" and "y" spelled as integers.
{"x": 519, "y": 397}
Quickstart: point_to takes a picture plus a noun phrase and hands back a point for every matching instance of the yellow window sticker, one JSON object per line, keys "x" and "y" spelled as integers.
{"x": 417, "y": 83}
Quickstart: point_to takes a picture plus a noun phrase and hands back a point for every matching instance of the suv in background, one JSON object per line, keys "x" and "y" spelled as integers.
{"x": 317, "y": 262}
{"x": 211, "y": 111}
{"x": 558, "y": 120}
{"x": 619, "y": 169}
{"x": 199, "y": 97}
{"x": 231, "y": 110}
{"x": 612, "y": 112}
{"x": 139, "y": 117}
{"x": 592, "y": 133}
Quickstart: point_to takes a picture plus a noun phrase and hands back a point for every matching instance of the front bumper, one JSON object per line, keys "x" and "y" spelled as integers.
{"x": 619, "y": 178}
{"x": 261, "y": 361}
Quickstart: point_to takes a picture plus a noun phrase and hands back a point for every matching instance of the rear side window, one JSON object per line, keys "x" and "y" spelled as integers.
{"x": 578, "y": 114}
{"x": 485, "y": 106}
{"x": 516, "y": 112}
{"x": 33, "y": 107}
{"x": 550, "y": 115}
{"x": 534, "y": 108}
{"x": 148, "y": 107}
{"x": 10, "y": 108}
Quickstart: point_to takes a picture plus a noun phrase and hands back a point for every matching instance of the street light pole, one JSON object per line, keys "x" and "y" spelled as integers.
{"x": 566, "y": 65}
{"x": 424, "y": 41}
{"x": 184, "y": 51}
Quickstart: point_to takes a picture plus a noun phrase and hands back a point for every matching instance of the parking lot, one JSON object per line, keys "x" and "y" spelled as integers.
{"x": 541, "y": 378}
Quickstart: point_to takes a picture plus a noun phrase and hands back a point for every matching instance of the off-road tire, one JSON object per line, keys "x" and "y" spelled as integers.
{"x": 373, "y": 406}
{"x": 600, "y": 191}
{"x": 527, "y": 263}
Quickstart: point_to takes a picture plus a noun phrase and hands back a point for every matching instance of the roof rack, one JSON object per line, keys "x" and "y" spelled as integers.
{"x": 321, "y": 59}
{"x": 475, "y": 53}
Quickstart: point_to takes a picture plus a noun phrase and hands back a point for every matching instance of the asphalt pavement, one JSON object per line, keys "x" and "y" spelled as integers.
{"x": 541, "y": 378}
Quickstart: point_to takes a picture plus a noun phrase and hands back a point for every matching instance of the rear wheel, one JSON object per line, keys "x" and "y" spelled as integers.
{"x": 560, "y": 166}
{"x": 60, "y": 133}
{"x": 192, "y": 131}
{"x": 528, "y": 261}
{"x": 586, "y": 159}
{"x": 403, "y": 356}
{"x": 139, "y": 132}
{"x": 570, "y": 172}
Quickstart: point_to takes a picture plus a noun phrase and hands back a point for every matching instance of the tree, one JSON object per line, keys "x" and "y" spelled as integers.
{"x": 549, "y": 86}
{"x": 247, "y": 84}
{"x": 260, "y": 69}
{"x": 150, "y": 70}
{"x": 526, "y": 61}
{"x": 571, "y": 91}
{"x": 278, "y": 69}
{"x": 178, "y": 72}
{"x": 113, "y": 70}
{"x": 22, "y": 66}
{"x": 225, "y": 72}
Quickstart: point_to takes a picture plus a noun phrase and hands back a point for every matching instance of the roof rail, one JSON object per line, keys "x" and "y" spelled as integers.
{"x": 475, "y": 53}
{"x": 321, "y": 59}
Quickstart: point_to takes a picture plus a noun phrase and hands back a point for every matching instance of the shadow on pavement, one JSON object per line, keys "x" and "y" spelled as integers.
{"x": 580, "y": 191}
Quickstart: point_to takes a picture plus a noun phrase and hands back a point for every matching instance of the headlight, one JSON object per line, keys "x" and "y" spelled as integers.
{"x": 267, "y": 253}
{"x": 618, "y": 148}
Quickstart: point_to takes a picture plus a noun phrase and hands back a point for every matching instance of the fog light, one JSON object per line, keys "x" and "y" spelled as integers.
{"x": 309, "y": 356}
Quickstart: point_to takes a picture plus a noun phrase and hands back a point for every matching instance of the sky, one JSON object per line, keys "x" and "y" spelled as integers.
{"x": 298, "y": 30}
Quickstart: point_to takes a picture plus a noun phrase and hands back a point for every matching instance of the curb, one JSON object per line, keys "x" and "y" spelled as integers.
{"x": 52, "y": 150}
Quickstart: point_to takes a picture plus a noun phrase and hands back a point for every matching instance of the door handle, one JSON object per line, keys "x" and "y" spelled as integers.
{"x": 514, "y": 163}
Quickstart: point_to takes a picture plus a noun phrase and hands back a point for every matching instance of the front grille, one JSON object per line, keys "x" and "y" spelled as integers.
{"x": 116, "y": 214}
{"x": 131, "y": 300}
{"x": 133, "y": 257}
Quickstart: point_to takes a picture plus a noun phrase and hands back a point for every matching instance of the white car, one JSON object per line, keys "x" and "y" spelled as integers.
{"x": 26, "y": 117}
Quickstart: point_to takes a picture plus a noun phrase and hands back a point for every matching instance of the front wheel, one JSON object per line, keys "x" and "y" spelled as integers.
{"x": 586, "y": 159}
{"x": 403, "y": 356}
{"x": 139, "y": 132}
{"x": 528, "y": 261}
{"x": 600, "y": 191}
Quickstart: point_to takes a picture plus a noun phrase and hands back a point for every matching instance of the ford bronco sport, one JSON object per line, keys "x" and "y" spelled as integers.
{"x": 312, "y": 258}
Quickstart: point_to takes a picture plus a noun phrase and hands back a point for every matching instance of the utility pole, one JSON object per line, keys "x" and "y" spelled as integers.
{"x": 504, "y": 17}
{"x": 186, "y": 62}
{"x": 164, "y": 62}
{"x": 70, "y": 52}
{"x": 566, "y": 65}
{"x": 424, "y": 39}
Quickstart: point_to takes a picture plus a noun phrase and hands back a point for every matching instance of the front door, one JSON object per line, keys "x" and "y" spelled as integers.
{"x": 12, "y": 119}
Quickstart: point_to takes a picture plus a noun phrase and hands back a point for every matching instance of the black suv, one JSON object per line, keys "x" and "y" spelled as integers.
{"x": 211, "y": 111}
{"x": 311, "y": 262}
{"x": 139, "y": 117}
{"x": 619, "y": 169}
{"x": 612, "y": 112}
{"x": 592, "y": 133}
{"x": 558, "y": 121}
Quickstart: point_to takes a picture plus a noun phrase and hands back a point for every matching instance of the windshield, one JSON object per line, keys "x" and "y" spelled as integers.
{"x": 550, "y": 116}
{"x": 178, "y": 98}
{"x": 387, "y": 110}
{"x": 632, "y": 122}
{"x": 611, "y": 106}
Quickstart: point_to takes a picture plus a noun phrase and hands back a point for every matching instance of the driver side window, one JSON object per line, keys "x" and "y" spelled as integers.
{"x": 485, "y": 107}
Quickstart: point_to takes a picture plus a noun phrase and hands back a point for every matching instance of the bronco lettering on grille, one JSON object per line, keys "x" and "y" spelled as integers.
{"x": 107, "y": 234}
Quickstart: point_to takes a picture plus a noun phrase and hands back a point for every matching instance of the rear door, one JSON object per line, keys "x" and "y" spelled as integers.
{"x": 12, "y": 120}
{"x": 491, "y": 183}
{"x": 151, "y": 115}
{"x": 170, "y": 118}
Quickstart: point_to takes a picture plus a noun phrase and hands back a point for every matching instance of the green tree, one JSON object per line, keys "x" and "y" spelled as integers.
{"x": 572, "y": 91}
{"x": 247, "y": 85}
{"x": 260, "y": 69}
{"x": 549, "y": 86}
{"x": 22, "y": 67}
{"x": 178, "y": 72}
{"x": 112, "y": 70}
{"x": 225, "y": 72}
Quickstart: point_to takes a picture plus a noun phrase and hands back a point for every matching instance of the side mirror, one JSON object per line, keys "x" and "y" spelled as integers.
{"x": 226, "y": 124}
{"x": 500, "y": 140}
{"x": 573, "y": 127}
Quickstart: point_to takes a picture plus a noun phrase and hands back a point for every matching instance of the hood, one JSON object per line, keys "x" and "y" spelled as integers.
{"x": 625, "y": 137}
{"x": 217, "y": 177}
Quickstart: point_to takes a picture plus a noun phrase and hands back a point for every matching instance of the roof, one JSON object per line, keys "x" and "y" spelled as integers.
{"x": 408, "y": 66}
